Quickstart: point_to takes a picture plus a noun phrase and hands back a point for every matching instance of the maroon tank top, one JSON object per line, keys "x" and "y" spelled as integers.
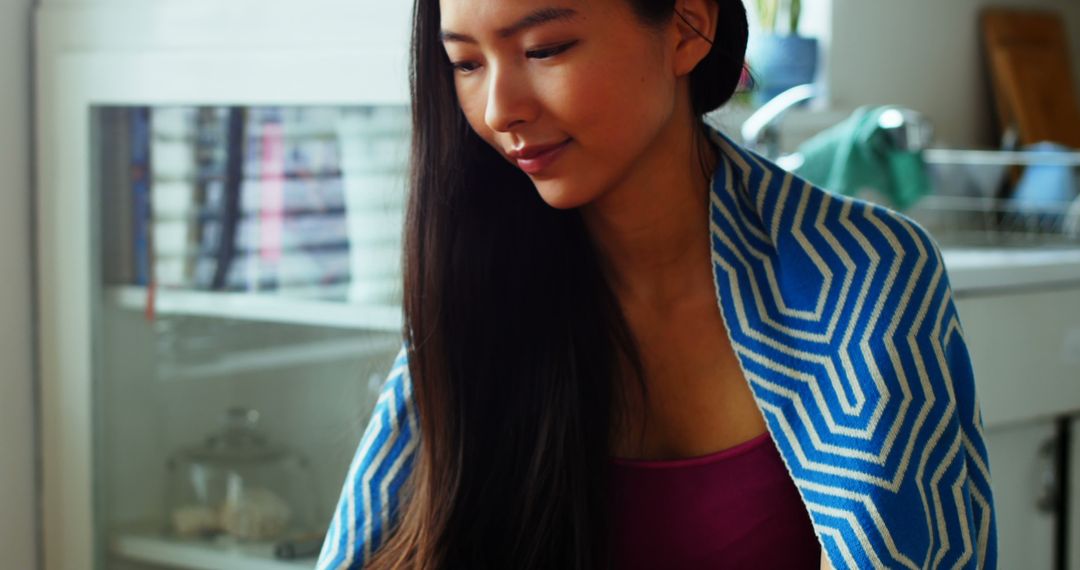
{"x": 736, "y": 508}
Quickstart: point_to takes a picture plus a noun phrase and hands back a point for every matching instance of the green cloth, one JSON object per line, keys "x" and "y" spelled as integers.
{"x": 857, "y": 153}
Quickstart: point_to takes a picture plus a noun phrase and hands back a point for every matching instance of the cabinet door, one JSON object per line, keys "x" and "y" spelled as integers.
{"x": 113, "y": 411}
{"x": 1020, "y": 466}
{"x": 1025, "y": 350}
{"x": 234, "y": 240}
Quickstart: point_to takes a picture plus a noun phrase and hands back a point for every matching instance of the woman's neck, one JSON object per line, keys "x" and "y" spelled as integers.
{"x": 652, "y": 230}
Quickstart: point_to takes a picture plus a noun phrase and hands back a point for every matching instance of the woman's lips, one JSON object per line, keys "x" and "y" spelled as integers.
{"x": 536, "y": 164}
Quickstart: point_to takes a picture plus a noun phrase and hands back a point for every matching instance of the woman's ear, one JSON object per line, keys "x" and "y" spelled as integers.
{"x": 695, "y": 27}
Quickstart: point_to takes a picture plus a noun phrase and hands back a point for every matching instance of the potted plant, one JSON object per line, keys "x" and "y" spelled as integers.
{"x": 779, "y": 56}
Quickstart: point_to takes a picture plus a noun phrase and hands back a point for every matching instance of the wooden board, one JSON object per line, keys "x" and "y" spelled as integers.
{"x": 1027, "y": 51}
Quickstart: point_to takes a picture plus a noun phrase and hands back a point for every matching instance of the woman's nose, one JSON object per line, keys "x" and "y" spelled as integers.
{"x": 509, "y": 100}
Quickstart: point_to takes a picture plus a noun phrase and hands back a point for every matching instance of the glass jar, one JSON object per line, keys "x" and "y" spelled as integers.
{"x": 239, "y": 484}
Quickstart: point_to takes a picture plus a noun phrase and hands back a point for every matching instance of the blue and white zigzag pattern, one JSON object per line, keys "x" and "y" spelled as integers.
{"x": 842, "y": 317}
{"x": 383, "y": 461}
{"x": 843, "y": 321}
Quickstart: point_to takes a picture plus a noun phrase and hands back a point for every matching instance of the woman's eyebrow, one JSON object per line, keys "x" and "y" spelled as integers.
{"x": 541, "y": 16}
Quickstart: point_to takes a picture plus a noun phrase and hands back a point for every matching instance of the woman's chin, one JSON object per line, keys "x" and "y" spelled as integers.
{"x": 559, "y": 195}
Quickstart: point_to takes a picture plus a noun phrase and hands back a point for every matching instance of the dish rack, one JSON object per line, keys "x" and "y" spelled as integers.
{"x": 966, "y": 210}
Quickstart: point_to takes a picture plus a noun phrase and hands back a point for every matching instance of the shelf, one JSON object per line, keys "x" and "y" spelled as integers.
{"x": 203, "y": 555}
{"x": 278, "y": 357}
{"x": 262, "y": 307}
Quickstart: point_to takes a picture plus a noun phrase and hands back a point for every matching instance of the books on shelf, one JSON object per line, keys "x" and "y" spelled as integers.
{"x": 374, "y": 152}
{"x": 288, "y": 200}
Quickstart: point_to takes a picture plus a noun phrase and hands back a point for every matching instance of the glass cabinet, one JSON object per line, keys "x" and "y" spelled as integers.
{"x": 220, "y": 210}
{"x": 250, "y": 294}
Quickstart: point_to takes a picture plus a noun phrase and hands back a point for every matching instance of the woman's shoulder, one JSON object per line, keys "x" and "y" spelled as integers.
{"x": 878, "y": 246}
{"x": 873, "y": 225}
{"x": 813, "y": 249}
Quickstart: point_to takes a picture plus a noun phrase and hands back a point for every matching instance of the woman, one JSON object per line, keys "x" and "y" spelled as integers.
{"x": 581, "y": 387}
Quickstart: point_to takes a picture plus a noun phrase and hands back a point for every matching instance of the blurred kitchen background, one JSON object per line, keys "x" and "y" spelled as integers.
{"x": 202, "y": 231}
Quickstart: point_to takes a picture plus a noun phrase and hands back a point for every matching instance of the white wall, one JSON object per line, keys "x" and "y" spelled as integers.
{"x": 18, "y": 501}
{"x": 925, "y": 54}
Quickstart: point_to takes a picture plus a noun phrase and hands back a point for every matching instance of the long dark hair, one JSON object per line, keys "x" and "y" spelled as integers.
{"x": 515, "y": 340}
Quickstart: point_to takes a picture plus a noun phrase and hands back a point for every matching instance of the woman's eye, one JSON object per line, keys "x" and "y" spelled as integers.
{"x": 464, "y": 66}
{"x": 551, "y": 51}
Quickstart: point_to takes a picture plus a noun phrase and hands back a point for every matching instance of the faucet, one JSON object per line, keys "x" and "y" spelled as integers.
{"x": 906, "y": 129}
{"x": 760, "y": 131}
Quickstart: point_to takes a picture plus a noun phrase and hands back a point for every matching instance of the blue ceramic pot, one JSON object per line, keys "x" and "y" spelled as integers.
{"x": 780, "y": 63}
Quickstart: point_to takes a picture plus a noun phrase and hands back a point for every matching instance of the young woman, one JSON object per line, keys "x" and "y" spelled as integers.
{"x": 631, "y": 343}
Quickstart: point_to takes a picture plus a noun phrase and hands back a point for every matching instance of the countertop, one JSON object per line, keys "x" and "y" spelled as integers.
{"x": 985, "y": 269}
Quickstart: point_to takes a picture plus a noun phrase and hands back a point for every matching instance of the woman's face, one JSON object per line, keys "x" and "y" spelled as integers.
{"x": 587, "y": 75}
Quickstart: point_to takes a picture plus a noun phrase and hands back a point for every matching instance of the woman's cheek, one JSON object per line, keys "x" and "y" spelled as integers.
{"x": 577, "y": 96}
{"x": 598, "y": 104}
{"x": 473, "y": 109}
